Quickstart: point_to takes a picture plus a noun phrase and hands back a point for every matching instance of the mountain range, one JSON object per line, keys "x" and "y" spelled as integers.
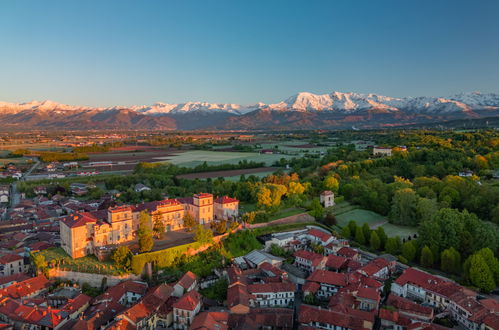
{"x": 301, "y": 111}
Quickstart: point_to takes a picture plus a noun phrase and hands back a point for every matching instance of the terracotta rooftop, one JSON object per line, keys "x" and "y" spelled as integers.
{"x": 187, "y": 280}
{"x": 8, "y": 258}
{"x": 188, "y": 301}
{"x": 271, "y": 287}
{"x": 226, "y": 200}
{"x": 328, "y": 277}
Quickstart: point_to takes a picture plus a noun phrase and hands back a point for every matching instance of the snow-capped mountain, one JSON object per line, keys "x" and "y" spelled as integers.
{"x": 303, "y": 110}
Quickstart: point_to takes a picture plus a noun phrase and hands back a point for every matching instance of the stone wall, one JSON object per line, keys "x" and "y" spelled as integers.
{"x": 94, "y": 280}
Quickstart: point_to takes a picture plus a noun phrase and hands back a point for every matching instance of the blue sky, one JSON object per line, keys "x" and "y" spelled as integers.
{"x": 104, "y": 53}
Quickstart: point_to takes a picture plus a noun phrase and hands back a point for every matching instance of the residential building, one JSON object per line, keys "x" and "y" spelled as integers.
{"x": 226, "y": 208}
{"x": 185, "y": 309}
{"x": 11, "y": 264}
{"x": 280, "y": 294}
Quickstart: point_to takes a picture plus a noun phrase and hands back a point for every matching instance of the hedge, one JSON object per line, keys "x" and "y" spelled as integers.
{"x": 162, "y": 258}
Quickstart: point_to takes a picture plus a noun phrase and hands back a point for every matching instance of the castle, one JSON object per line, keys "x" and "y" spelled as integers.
{"x": 82, "y": 232}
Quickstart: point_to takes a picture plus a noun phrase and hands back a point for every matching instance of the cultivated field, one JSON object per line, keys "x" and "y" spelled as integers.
{"x": 193, "y": 158}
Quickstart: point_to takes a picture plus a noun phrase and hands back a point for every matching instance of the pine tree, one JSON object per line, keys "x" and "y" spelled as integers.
{"x": 345, "y": 232}
{"x": 409, "y": 250}
{"x": 359, "y": 236}
{"x": 367, "y": 232}
{"x": 426, "y": 257}
{"x": 382, "y": 237}
{"x": 375, "y": 241}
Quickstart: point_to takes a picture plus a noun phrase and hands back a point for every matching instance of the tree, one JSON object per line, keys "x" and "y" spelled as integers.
{"x": 146, "y": 241}
{"x": 277, "y": 250}
{"x": 404, "y": 207}
{"x": 39, "y": 262}
{"x": 491, "y": 261}
{"x": 367, "y": 232}
{"x": 345, "y": 232}
{"x": 220, "y": 227}
{"x": 264, "y": 197}
{"x": 450, "y": 261}
{"x": 159, "y": 227}
{"x": 409, "y": 250}
{"x": 331, "y": 183}
{"x": 249, "y": 217}
{"x": 382, "y": 237}
{"x": 375, "y": 242}
{"x": 310, "y": 299}
{"x": 202, "y": 235}
{"x": 480, "y": 274}
{"x": 426, "y": 257}
{"x": 392, "y": 245}
{"x": 122, "y": 256}
{"x": 330, "y": 219}
{"x": 317, "y": 211}
{"x": 425, "y": 209}
{"x": 189, "y": 221}
{"x": 353, "y": 226}
{"x": 359, "y": 236}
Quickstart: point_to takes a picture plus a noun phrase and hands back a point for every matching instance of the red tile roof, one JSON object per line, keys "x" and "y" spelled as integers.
{"x": 369, "y": 293}
{"x": 315, "y": 258}
{"x": 13, "y": 278}
{"x": 25, "y": 288}
{"x": 115, "y": 293}
{"x": 311, "y": 287}
{"x": 237, "y": 295}
{"x": 77, "y": 303}
{"x": 188, "y": 301}
{"x": 210, "y": 320}
{"x": 187, "y": 280}
{"x": 347, "y": 252}
{"x": 269, "y": 268}
{"x": 78, "y": 220}
{"x": 404, "y": 304}
{"x": 429, "y": 282}
{"x": 310, "y": 314}
{"x": 322, "y": 236}
{"x": 336, "y": 262}
{"x": 226, "y": 200}
{"x": 8, "y": 258}
{"x": 271, "y": 287}
{"x": 328, "y": 277}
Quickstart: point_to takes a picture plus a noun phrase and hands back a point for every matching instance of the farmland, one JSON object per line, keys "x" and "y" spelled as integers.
{"x": 193, "y": 158}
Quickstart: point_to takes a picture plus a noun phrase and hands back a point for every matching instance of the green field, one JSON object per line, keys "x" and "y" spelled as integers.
{"x": 361, "y": 217}
{"x": 395, "y": 230}
{"x": 193, "y": 158}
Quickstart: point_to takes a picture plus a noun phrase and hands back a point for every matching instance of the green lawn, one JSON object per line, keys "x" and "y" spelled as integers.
{"x": 88, "y": 264}
{"x": 193, "y": 158}
{"x": 360, "y": 216}
{"x": 395, "y": 230}
{"x": 286, "y": 213}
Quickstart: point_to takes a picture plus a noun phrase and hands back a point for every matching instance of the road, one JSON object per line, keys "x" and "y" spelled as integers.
{"x": 15, "y": 196}
{"x": 35, "y": 165}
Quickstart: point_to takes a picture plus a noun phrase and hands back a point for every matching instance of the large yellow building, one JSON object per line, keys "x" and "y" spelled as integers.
{"x": 83, "y": 231}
